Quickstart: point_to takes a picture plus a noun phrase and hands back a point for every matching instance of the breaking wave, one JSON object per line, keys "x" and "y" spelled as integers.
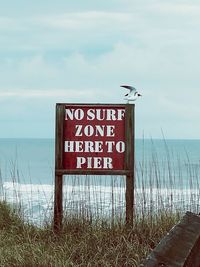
{"x": 36, "y": 200}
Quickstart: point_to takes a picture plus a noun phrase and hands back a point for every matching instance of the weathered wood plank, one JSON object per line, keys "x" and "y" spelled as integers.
{"x": 93, "y": 172}
{"x": 180, "y": 247}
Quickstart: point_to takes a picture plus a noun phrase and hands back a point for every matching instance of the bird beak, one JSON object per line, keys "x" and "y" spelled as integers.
{"x": 139, "y": 95}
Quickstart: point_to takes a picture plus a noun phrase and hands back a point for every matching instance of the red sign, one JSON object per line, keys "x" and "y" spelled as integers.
{"x": 94, "y": 137}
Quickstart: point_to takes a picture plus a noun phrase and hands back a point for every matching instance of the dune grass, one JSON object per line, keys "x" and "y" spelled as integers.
{"x": 80, "y": 243}
{"x": 94, "y": 232}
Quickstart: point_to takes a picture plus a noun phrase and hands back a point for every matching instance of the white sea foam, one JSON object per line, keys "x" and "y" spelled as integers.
{"x": 36, "y": 200}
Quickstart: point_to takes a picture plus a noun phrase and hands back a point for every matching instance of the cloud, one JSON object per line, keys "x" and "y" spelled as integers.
{"x": 175, "y": 7}
{"x": 84, "y": 55}
{"x": 68, "y": 31}
{"x": 165, "y": 71}
{"x": 10, "y": 24}
{"x": 155, "y": 23}
{"x": 39, "y": 93}
{"x": 89, "y": 20}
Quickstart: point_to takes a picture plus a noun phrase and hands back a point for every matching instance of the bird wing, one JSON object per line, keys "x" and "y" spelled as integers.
{"x": 131, "y": 88}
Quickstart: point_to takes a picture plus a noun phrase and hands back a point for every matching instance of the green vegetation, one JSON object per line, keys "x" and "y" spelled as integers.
{"x": 94, "y": 232}
{"x": 81, "y": 243}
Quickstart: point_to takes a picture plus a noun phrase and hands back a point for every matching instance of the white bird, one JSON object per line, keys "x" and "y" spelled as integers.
{"x": 132, "y": 95}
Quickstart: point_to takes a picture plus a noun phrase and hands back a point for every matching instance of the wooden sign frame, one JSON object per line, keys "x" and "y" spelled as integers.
{"x": 129, "y": 161}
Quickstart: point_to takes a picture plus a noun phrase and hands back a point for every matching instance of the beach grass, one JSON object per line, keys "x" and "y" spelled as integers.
{"x": 94, "y": 231}
{"x": 81, "y": 243}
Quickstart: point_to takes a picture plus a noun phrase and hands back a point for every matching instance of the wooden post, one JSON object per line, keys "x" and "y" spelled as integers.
{"x": 129, "y": 162}
{"x": 58, "y": 197}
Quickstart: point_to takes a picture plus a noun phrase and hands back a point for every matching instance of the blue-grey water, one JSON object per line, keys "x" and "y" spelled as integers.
{"x": 163, "y": 167}
{"x": 32, "y": 160}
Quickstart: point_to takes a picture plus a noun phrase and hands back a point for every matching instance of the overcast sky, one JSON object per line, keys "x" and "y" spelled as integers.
{"x": 81, "y": 51}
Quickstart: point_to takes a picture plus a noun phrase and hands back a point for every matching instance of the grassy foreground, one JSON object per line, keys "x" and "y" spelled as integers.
{"x": 80, "y": 244}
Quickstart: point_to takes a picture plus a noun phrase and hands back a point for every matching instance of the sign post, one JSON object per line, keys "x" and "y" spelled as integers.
{"x": 94, "y": 139}
{"x": 130, "y": 161}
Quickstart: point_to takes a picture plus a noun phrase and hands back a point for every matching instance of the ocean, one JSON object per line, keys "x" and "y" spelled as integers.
{"x": 167, "y": 176}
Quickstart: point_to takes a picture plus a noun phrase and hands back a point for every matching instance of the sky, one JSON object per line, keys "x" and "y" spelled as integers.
{"x": 82, "y": 51}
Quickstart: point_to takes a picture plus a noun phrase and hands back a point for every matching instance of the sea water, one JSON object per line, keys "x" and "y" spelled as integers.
{"x": 167, "y": 176}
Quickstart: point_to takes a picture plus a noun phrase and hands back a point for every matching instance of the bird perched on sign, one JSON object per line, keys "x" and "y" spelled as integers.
{"x": 132, "y": 95}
